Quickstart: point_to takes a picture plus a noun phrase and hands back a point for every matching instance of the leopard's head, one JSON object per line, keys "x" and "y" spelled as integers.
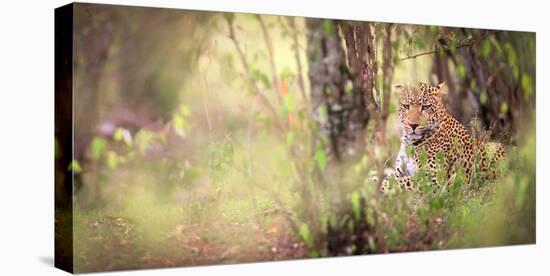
{"x": 420, "y": 110}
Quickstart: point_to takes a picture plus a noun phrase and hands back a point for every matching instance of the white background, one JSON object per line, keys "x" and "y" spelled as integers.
{"x": 27, "y": 123}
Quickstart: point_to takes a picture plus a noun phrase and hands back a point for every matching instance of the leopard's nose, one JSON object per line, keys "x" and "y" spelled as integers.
{"x": 413, "y": 126}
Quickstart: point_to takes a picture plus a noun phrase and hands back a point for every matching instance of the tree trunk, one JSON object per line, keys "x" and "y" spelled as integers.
{"x": 341, "y": 93}
{"x": 387, "y": 79}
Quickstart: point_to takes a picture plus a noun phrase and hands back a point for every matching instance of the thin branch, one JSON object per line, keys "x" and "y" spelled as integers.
{"x": 205, "y": 105}
{"x": 467, "y": 44}
{"x": 430, "y": 52}
{"x": 259, "y": 93}
{"x": 205, "y": 100}
{"x": 301, "y": 83}
{"x": 269, "y": 44}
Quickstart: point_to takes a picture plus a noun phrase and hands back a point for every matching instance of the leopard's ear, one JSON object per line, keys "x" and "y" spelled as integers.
{"x": 441, "y": 90}
{"x": 399, "y": 88}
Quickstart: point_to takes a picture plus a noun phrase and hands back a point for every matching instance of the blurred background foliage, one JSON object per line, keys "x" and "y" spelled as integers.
{"x": 205, "y": 137}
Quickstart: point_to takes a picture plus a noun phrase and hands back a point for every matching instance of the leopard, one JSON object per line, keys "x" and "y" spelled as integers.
{"x": 430, "y": 131}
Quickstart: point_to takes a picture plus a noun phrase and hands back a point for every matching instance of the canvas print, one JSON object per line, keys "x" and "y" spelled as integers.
{"x": 188, "y": 138}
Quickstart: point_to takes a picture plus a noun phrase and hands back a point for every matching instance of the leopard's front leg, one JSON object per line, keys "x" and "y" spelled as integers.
{"x": 406, "y": 165}
{"x": 404, "y": 182}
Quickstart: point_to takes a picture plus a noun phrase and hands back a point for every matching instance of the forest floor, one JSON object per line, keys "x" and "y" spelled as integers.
{"x": 116, "y": 243}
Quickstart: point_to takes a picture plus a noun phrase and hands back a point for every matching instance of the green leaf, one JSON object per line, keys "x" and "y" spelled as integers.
{"x": 473, "y": 85}
{"x": 503, "y": 107}
{"x": 57, "y": 148}
{"x": 144, "y": 139}
{"x": 356, "y": 204}
{"x": 321, "y": 158}
{"x": 98, "y": 147}
{"x": 369, "y": 215}
{"x": 289, "y": 102}
{"x": 74, "y": 166}
{"x": 122, "y": 134}
{"x": 483, "y": 97}
{"x": 409, "y": 150}
{"x": 184, "y": 110}
{"x": 527, "y": 85}
{"x": 392, "y": 109}
{"x": 328, "y": 27}
{"x": 372, "y": 244}
{"x": 512, "y": 56}
{"x": 419, "y": 43}
{"x": 515, "y": 71}
{"x": 179, "y": 121}
{"x": 257, "y": 75}
{"x": 323, "y": 114}
{"x": 333, "y": 222}
{"x": 497, "y": 46}
{"x": 305, "y": 234}
{"x": 461, "y": 71}
{"x": 422, "y": 156}
{"x": 112, "y": 160}
{"x": 287, "y": 74}
{"x": 486, "y": 48}
{"x": 348, "y": 88}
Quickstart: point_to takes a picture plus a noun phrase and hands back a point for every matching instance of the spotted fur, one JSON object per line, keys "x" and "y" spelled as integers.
{"x": 428, "y": 128}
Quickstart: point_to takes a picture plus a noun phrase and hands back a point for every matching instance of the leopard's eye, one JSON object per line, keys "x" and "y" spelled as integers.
{"x": 425, "y": 107}
{"x": 405, "y": 106}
